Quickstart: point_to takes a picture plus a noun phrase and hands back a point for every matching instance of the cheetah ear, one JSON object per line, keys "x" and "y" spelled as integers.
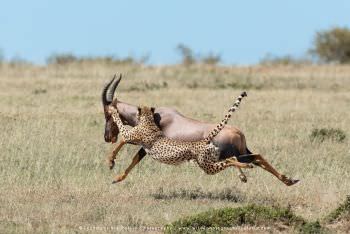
{"x": 153, "y": 109}
{"x": 139, "y": 110}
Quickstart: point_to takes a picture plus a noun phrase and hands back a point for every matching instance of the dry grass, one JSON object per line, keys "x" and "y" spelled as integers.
{"x": 53, "y": 171}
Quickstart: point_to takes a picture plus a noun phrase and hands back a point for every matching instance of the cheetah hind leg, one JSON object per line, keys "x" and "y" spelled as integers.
{"x": 213, "y": 168}
{"x": 233, "y": 162}
{"x": 241, "y": 174}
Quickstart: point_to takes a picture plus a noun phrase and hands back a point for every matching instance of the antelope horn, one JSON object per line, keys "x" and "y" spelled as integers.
{"x": 111, "y": 90}
{"x": 106, "y": 101}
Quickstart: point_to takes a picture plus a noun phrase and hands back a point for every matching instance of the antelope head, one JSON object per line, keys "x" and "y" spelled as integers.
{"x": 111, "y": 129}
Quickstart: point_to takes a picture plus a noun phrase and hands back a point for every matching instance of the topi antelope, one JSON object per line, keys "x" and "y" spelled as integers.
{"x": 230, "y": 140}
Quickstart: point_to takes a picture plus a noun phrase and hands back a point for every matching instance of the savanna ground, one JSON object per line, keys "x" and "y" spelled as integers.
{"x": 53, "y": 171}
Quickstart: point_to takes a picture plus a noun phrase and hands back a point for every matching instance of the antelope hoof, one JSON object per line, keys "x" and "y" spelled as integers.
{"x": 243, "y": 178}
{"x": 290, "y": 182}
{"x": 118, "y": 179}
{"x": 250, "y": 165}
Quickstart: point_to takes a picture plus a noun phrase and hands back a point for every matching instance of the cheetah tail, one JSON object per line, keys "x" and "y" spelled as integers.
{"x": 222, "y": 124}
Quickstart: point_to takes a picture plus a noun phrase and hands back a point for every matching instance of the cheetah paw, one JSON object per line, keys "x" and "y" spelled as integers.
{"x": 243, "y": 178}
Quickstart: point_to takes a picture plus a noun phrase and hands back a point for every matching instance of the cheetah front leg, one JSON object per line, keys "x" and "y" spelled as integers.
{"x": 112, "y": 156}
{"x": 136, "y": 159}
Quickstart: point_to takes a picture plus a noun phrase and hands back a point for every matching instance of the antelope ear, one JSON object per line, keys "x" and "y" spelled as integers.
{"x": 153, "y": 109}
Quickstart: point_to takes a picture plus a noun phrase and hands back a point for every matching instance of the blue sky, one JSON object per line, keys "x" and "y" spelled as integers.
{"x": 241, "y": 31}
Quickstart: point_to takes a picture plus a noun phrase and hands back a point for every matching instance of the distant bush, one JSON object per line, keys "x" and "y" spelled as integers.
{"x": 108, "y": 60}
{"x": 68, "y": 58}
{"x": 323, "y": 134}
{"x": 211, "y": 59}
{"x": 61, "y": 59}
{"x": 251, "y": 215}
{"x": 39, "y": 91}
{"x": 188, "y": 57}
{"x": 284, "y": 60}
{"x": 332, "y": 45}
{"x": 187, "y": 54}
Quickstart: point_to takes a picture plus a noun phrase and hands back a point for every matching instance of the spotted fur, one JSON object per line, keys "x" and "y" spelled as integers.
{"x": 174, "y": 152}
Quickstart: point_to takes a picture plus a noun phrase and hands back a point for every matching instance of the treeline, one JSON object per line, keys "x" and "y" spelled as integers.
{"x": 67, "y": 58}
{"x": 329, "y": 46}
{"x": 188, "y": 57}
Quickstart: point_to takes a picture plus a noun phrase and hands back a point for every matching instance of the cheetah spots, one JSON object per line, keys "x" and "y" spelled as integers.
{"x": 172, "y": 152}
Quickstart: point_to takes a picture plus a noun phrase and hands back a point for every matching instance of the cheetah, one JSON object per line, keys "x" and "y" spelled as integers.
{"x": 174, "y": 152}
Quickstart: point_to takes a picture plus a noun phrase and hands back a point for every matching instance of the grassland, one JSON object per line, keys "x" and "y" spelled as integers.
{"x": 53, "y": 171}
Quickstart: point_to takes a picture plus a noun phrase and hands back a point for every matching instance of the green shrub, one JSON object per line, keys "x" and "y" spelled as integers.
{"x": 251, "y": 215}
{"x": 312, "y": 228}
{"x": 227, "y": 194}
{"x": 323, "y": 134}
{"x": 342, "y": 212}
